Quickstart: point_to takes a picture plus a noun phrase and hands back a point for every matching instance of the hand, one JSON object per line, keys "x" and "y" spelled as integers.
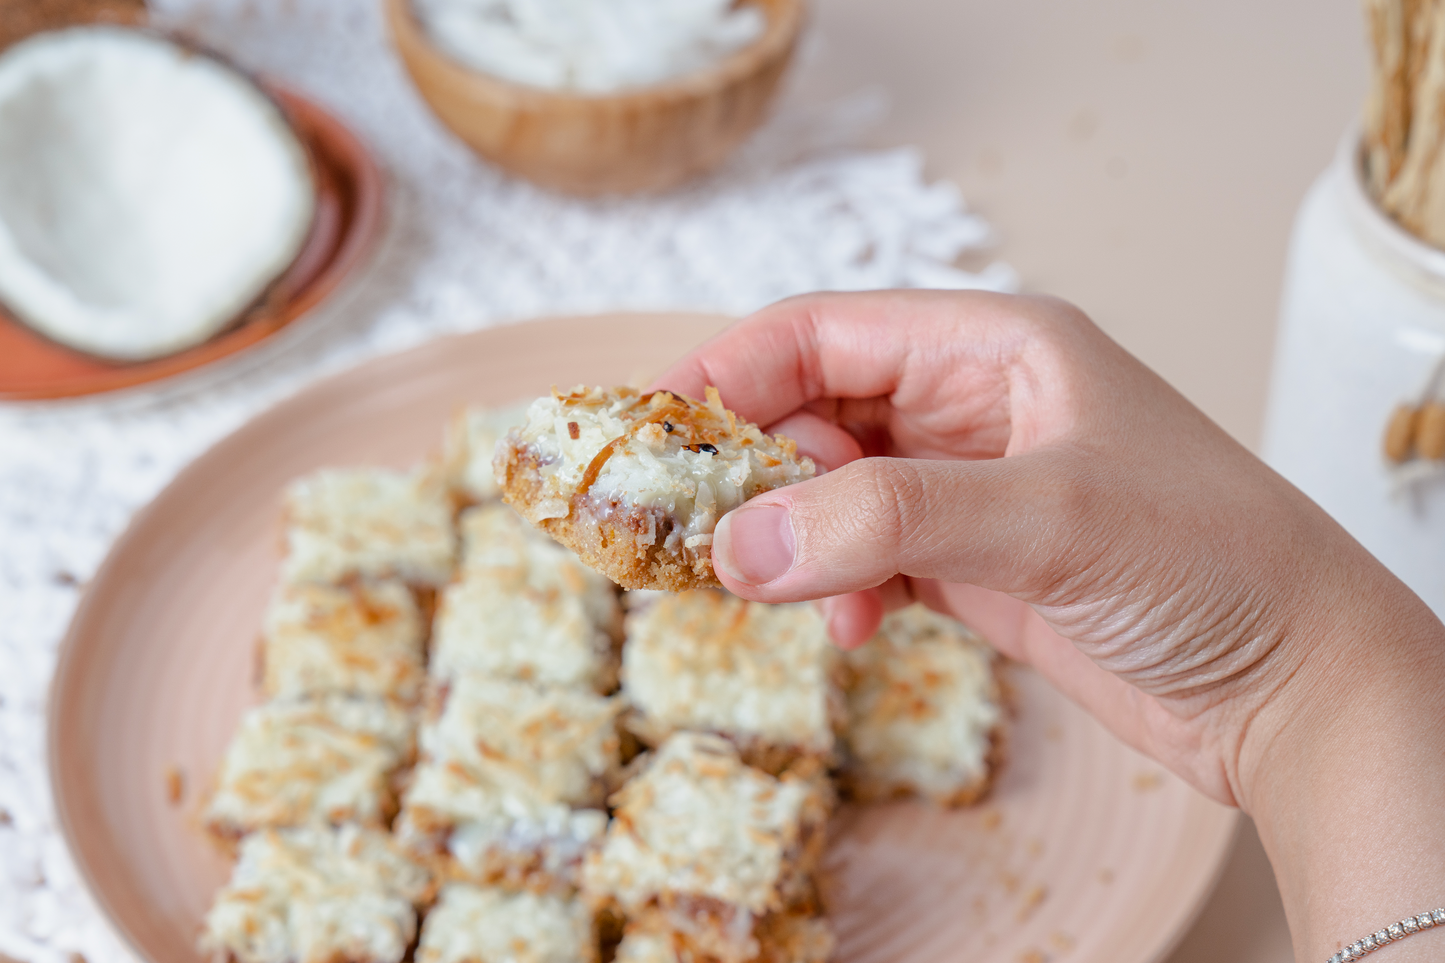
{"x": 1001, "y": 459}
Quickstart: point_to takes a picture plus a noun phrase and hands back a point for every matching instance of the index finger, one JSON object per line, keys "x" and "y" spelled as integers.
{"x": 909, "y": 346}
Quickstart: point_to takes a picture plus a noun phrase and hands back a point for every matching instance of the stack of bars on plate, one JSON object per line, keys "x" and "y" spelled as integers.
{"x": 468, "y": 755}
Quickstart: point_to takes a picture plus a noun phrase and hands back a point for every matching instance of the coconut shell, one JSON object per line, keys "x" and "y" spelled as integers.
{"x": 21, "y": 18}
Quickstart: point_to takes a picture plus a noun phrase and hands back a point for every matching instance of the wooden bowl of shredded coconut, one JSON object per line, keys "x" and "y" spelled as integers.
{"x": 601, "y": 122}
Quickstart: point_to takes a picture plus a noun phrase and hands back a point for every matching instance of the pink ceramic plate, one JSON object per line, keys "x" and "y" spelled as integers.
{"x": 1085, "y": 851}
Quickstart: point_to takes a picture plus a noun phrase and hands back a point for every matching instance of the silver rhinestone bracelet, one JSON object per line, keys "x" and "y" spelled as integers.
{"x": 1408, "y": 926}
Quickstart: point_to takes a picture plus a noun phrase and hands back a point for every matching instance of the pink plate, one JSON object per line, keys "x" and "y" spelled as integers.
{"x": 1085, "y": 852}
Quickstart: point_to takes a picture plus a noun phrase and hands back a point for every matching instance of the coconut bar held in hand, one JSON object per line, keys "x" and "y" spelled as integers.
{"x": 635, "y": 483}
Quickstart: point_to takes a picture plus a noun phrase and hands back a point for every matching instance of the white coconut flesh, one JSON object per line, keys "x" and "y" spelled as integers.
{"x": 148, "y": 195}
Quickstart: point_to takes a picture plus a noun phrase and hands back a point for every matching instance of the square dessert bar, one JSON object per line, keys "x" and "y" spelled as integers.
{"x": 524, "y": 610}
{"x": 328, "y": 759}
{"x": 511, "y": 781}
{"x": 924, "y": 711}
{"x": 495, "y": 536}
{"x": 359, "y": 638}
{"x": 484, "y": 924}
{"x": 635, "y": 483}
{"x": 317, "y": 895}
{"x": 760, "y": 675}
{"x": 779, "y": 938}
{"x": 469, "y": 446}
{"x": 370, "y": 523}
{"x": 711, "y": 844}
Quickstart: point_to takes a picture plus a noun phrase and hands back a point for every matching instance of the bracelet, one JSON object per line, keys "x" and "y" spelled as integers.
{"x": 1408, "y": 926}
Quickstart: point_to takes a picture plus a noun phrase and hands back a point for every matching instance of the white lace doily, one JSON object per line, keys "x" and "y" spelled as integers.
{"x": 465, "y": 248}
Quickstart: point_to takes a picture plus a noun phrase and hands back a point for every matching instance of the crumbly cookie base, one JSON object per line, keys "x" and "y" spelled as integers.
{"x": 608, "y": 545}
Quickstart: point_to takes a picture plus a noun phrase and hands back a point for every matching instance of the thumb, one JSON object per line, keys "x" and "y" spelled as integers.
{"x": 992, "y": 523}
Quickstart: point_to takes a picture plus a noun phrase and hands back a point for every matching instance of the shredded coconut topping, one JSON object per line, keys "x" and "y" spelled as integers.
{"x": 317, "y": 895}
{"x": 360, "y": 638}
{"x": 922, "y": 706}
{"x": 698, "y": 822}
{"x": 708, "y": 660}
{"x": 369, "y": 522}
{"x": 326, "y": 759}
{"x": 693, "y": 462}
{"x": 474, "y": 924}
{"x": 507, "y": 762}
{"x": 525, "y": 608}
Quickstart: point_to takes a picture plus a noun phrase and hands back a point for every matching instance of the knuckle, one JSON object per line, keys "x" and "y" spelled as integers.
{"x": 887, "y": 498}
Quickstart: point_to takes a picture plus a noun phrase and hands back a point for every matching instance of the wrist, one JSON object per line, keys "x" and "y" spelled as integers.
{"x": 1344, "y": 773}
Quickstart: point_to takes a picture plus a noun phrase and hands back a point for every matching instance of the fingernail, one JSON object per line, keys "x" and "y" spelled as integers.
{"x": 755, "y": 545}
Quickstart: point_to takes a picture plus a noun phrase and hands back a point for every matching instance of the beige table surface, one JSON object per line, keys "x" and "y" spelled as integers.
{"x": 1144, "y": 160}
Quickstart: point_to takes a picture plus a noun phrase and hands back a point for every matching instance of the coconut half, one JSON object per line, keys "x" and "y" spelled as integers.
{"x": 148, "y": 194}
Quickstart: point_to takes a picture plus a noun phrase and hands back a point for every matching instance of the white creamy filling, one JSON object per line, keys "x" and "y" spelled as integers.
{"x": 707, "y": 660}
{"x": 149, "y": 194}
{"x": 653, "y": 469}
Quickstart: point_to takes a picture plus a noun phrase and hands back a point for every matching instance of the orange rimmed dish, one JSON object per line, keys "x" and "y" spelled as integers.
{"x": 344, "y": 229}
{"x": 645, "y": 139}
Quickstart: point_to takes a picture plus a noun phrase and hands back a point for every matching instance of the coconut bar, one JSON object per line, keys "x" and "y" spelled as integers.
{"x": 779, "y": 937}
{"x": 360, "y": 638}
{"x": 470, "y": 443}
{"x": 924, "y": 711}
{"x": 329, "y": 759}
{"x": 370, "y": 523}
{"x": 511, "y": 781}
{"x": 477, "y": 924}
{"x": 317, "y": 895}
{"x": 527, "y": 610}
{"x": 635, "y": 483}
{"x": 711, "y": 844}
{"x": 760, "y": 675}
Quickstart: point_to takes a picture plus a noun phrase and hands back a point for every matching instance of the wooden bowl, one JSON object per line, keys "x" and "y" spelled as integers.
{"x": 21, "y": 18}
{"x": 646, "y": 139}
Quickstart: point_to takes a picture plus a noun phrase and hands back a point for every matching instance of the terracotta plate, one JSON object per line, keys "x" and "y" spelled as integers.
{"x": 1085, "y": 852}
{"x": 345, "y": 227}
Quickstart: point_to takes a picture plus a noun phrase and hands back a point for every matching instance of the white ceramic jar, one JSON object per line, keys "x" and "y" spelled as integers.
{"x": 1362, "y": 327}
